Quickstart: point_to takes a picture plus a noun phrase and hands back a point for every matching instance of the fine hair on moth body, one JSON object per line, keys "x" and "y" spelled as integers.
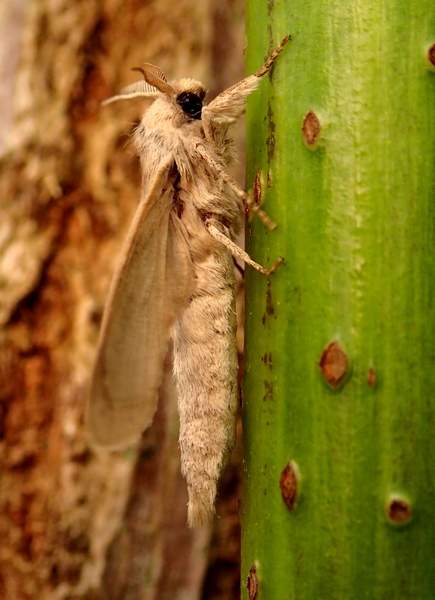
{"x": 175, "y": 281}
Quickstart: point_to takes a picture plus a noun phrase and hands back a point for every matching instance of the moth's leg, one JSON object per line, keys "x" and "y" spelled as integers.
{"x": 248, "y": 203}
{"x": 269, "y": 62}
{"x": 236, "y": 251}
{"x": 230, "y": 104}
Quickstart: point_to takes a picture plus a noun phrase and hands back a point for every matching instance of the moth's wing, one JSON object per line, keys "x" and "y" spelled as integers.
{"x": 149, "y": 290}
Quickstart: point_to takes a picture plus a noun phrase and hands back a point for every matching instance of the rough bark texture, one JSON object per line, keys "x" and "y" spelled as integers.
{"x": 76, "y": 523}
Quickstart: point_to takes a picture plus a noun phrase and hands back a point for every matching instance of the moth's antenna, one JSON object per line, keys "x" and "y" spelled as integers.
{"x": 154, "y": 70}
{"x": 154, "y": 82}
{"x": 153, "y": 76}
{"x": 139, "y": 89}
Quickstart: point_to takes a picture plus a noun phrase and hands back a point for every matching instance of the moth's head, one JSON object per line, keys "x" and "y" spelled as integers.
{"x": 184, "y": 95}
{"x": 189, "y": 95}
{"x": 179, "y": 102}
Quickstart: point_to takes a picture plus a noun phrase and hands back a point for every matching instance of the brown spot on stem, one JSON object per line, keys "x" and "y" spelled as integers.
{"x": 269, "y": 391}
{"x": 252, "y": 583}
{"x": 398, "y": 511}
{"x": 334, "y": 364}
{"x": 269, "y": 304}
{"x": 270, "y": 142}
{"x": 267, "y": 359}
{"x": 431, "y": 54}
{"x": 371, "y": 377}
{"x": 288, "y": 484}
{"x": 258, "y": 188}
{"x": 310, "y": 128}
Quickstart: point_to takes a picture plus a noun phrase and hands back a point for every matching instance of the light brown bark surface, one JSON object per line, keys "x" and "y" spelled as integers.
{"x": 74, "y": 522}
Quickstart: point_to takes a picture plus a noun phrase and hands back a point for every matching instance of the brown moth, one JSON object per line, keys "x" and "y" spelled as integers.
{"x": 175, "y": 280}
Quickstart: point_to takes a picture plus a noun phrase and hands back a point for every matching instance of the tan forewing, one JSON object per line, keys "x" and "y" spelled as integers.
{"x": 149, "y": 290}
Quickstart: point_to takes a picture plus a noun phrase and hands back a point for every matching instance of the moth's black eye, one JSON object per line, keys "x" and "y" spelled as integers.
{"x": 191, "y": 104}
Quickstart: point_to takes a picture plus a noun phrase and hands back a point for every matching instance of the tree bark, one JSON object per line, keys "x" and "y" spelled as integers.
{"x": 76, "y": 522}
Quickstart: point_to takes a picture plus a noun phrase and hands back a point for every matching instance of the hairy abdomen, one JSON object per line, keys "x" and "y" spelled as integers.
{"x": 205, "y": 367}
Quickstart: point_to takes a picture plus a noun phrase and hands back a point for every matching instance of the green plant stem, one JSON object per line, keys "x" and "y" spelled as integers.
{"x": 356, "y": 226}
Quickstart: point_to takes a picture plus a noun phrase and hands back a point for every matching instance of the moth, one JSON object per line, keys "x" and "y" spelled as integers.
{"x": 175, "y": 281}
